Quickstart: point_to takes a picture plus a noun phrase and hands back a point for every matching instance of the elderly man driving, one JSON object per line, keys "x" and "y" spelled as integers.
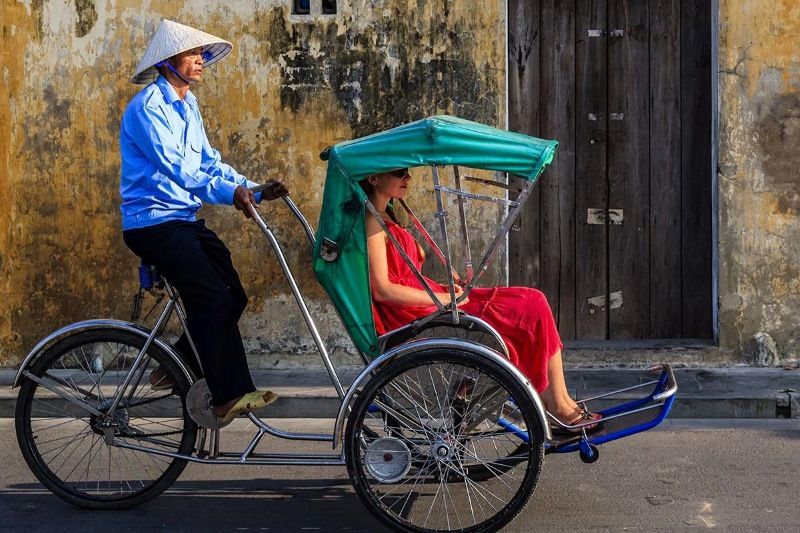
{"x": 168, "y": 170}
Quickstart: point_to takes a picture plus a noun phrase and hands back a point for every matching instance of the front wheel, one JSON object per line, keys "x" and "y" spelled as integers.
{"x": 422, "y": 426}
{"x": 65, "y": 445}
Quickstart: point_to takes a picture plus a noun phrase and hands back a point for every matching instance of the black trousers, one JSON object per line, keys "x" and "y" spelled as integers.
{"x": 193, "y": 259}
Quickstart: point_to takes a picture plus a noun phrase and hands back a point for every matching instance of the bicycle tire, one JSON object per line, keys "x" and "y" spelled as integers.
{"x": 35, "y": 411}
{"x": 368, "y": 489}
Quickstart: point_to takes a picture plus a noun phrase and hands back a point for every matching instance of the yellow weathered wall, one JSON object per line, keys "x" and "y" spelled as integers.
{"x": 292, "y": 86}
{"x": 759, "y": 178}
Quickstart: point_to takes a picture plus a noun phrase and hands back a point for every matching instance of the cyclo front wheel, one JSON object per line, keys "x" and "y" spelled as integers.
{"x": 423, "y": 423}
{"x": 65, "y": 445}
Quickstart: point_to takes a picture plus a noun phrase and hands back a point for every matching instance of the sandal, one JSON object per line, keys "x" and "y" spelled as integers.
{"x": 249, "y": 402}
{"x": 583, "y": 417}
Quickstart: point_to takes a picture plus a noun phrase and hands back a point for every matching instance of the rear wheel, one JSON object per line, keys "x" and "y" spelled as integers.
{"x": 65, "y": 445}
{"x": 422, "y": 424}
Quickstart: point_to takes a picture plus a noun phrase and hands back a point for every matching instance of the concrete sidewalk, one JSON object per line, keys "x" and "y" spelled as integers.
{"x": 702, "y": 392}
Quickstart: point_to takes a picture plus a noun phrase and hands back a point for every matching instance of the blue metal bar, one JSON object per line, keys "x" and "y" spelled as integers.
{"x": 516, "y": 430}
{"x": 626, "y": 432}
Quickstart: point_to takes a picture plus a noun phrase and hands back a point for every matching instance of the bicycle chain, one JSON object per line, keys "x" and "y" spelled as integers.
{"x": 148, "y": 435}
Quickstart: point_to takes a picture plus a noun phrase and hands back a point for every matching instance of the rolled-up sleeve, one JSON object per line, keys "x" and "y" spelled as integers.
{"x": 152, "y": 135}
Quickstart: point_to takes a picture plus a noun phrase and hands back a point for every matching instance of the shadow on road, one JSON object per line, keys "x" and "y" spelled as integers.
{"x": 255, "y": 504}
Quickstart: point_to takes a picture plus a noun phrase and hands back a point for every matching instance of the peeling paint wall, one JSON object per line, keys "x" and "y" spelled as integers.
{"x": 292, "y": 86}
{"x": 759, "y": 174}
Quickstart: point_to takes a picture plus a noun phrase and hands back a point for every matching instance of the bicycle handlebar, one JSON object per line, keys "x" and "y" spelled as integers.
{"x": 262, "y": 187}
{"x": 292, "y": 207}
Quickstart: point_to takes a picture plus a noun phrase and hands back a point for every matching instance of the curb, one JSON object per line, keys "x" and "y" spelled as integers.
{"x": 702, "y": 392}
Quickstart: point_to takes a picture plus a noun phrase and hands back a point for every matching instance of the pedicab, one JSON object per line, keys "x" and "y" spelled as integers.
{"x": 438, "y": 432}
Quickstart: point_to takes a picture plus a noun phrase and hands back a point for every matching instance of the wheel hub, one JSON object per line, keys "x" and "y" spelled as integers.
{"x": 442, "y": 448}
{"x": 119, "y": 421}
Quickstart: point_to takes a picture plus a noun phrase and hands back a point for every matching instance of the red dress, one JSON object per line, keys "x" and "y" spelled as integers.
{"x": 521, "y": 315}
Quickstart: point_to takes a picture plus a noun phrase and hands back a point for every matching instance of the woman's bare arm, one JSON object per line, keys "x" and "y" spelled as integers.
{"x": 384, "y": 290}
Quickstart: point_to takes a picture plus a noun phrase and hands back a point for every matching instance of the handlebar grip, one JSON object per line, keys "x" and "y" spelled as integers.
{"x": 259, "y": 188}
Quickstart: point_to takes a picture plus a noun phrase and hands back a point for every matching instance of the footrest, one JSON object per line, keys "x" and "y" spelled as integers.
{"x": 627, "y": 418}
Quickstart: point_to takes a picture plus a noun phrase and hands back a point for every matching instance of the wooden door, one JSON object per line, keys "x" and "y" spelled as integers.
{"x": 619, "y": 234}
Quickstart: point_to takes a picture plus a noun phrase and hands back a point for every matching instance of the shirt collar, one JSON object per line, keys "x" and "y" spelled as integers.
{"x": 171, "y": 96}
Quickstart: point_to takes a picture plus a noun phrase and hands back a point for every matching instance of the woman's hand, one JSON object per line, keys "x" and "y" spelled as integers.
{"x": 459, "y": 292}
{"x": 445, "y": 296}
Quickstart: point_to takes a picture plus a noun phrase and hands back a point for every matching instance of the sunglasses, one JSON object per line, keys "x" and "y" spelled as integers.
{"x": 399, "y": 173}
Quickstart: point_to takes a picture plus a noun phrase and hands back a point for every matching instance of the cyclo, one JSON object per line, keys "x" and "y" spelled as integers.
{"x": 438, "y": 432}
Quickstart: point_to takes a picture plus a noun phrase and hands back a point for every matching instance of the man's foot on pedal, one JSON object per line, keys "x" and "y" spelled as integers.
{"x": 249, "y": 402}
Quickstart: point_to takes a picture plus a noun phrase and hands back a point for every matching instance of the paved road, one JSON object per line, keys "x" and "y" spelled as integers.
{"x": 730, "y": 475}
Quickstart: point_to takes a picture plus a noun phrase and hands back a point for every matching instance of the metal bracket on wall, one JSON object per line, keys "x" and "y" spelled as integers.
{"x": 598, "y": 216}
{"x": 598, "y": 303}
{"x": 600, "y": 33}
{"x": 787, "y": 404}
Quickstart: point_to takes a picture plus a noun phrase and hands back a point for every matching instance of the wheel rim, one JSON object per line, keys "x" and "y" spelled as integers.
{"x": 446, "y": 414}
{"x": 68, "y": 442}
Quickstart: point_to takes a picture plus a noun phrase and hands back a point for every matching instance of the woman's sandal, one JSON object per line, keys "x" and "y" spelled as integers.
{"x": 249, "y": 402}
{"x": 583, "y": 417}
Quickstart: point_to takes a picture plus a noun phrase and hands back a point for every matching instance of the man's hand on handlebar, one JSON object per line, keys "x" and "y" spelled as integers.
{"x": 274, "y": 189}
{"x": 244, "y": 197}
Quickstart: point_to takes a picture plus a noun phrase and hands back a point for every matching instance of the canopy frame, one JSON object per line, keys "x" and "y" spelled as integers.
{"x": 340, "y": 254}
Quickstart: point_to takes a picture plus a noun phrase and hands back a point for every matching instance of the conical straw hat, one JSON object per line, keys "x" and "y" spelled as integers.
{"x": 171, "y": 39}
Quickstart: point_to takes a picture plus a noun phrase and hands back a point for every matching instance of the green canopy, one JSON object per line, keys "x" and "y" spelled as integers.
{"x": 340, "y": 254}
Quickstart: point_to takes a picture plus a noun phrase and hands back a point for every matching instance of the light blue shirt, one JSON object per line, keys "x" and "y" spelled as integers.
{"x": 168, "y": 166}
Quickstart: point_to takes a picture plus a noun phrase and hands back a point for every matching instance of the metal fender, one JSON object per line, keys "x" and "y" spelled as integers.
{"x": 101, "y": 324}
{"x": 464, "y": 318}
{"x": 404, "y": 350}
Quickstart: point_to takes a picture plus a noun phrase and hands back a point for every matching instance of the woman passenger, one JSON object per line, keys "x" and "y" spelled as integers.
{"x": 521, "y": 315}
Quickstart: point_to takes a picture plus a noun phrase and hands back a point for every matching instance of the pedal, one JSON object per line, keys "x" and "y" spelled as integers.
{"x": 198, "y": 404}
